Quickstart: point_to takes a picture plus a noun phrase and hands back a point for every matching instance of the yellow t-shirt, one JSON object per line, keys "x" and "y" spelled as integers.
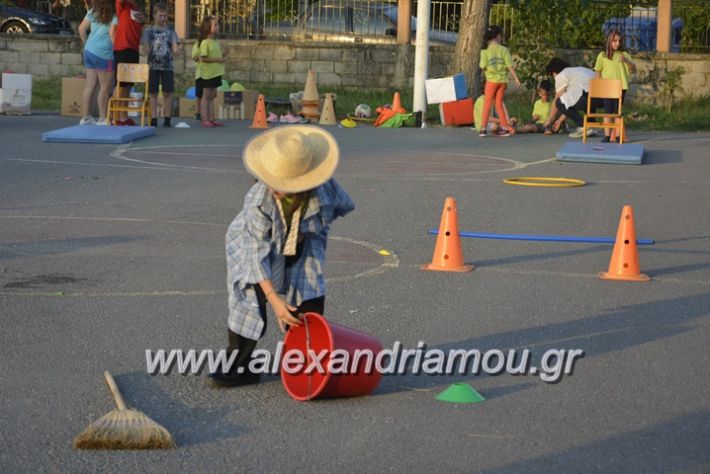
{"x": 542, "y": 109}
{"x": 613, "y": 68}
{"x": 495, "y": 61}
{"x": 210, "y": 48}
{"x": 196, "y": 57}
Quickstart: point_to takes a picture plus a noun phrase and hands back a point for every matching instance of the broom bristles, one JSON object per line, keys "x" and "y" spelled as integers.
{"x": 124, "y": 429}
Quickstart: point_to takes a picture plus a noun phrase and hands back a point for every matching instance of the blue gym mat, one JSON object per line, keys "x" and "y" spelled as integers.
{"x": 97, "y": 134}
{"x": 613, "y": 153}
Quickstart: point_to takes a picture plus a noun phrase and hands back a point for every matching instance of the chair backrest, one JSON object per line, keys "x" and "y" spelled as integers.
{"x": 605, "y": 88}
{"x": 128, "y": 72}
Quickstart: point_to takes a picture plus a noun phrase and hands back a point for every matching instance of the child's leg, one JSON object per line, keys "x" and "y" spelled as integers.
{"x": 153, "y": 104}
{"x": 489, "y": 93}
{"x": 153, "y": 88}
{"x": 500, "y": 107}
{"x": 167, "y": 104}
{"x": 609, "y": 108}
{"x": 199, "y": 92}
{"x": 210, "y": 103}
{"x": 88, "y": 94}
{"x": 105, "y": 84}
{"x": 206, "y": 100}
{"x": 168, "y": 81}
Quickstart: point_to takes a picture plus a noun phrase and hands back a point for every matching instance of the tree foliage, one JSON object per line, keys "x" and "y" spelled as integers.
{"x": 542, "y": 26}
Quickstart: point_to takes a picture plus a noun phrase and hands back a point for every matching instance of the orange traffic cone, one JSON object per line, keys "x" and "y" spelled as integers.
{"x": 260, "y": 114}
{"x": 397, "y": 104}
{"x": 448, "y": 256}
{"x": 624, "y": 264}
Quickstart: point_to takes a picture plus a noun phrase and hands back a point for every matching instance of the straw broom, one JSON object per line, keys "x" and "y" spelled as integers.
{"x": 123, "y": 428}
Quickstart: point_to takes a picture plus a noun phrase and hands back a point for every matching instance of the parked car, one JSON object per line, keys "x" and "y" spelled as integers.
{"x": 21, "y": 20}
{"x": 357, "y": 22}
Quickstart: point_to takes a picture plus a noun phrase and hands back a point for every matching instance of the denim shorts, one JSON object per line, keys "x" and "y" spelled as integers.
{"x": 91, "y": 61}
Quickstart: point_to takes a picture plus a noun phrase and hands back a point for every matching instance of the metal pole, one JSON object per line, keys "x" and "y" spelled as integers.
{"x": 421, "y": 58}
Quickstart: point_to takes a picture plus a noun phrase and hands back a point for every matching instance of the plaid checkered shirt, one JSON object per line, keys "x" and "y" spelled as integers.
{"x": 255, "y": 242}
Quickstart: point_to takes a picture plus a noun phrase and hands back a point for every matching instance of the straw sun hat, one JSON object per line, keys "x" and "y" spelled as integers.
{"x": 292, "y": 159}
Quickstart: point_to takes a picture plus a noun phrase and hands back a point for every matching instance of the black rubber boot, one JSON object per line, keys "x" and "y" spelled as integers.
{"x": 239, "y": 373}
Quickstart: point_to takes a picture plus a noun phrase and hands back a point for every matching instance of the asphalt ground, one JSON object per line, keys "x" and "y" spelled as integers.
{"x": 106, "y": 251}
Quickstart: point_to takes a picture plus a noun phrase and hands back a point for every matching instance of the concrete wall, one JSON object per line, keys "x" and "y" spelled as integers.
{"x": 348, "y": 65}
{"x": 373, "y": 66}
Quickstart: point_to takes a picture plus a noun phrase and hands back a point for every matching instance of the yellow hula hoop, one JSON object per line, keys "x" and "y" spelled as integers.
{"x": 545, "y": 182}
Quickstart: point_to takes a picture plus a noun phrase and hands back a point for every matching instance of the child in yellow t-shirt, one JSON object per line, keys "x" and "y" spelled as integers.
{"x": 211, "y": 69}
{"x": 541, "y": 109}
{"x": 614, "y": 63}
{"x": 496, "y": 62}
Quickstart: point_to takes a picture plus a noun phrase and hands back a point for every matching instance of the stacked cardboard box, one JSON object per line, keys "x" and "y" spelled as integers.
{"x": 72, "y": 97}
{"x": 455, "y": 108}
{"x": 16, "y": 96}
{"x": 227, "y": 105}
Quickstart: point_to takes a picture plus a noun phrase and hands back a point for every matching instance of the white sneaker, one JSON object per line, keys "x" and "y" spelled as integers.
{"x": 88, "y": 120}
{"x": 103, "y": 123}
{"x": 579, "y": 133}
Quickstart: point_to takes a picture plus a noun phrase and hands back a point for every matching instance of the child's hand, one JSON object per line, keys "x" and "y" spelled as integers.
{"x": 283, "y": 312}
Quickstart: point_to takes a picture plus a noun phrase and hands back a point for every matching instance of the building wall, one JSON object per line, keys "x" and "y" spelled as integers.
{"x": 348, "y": 65}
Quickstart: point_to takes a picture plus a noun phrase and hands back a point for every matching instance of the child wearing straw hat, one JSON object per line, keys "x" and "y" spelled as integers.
{"x": 276, "y": 244}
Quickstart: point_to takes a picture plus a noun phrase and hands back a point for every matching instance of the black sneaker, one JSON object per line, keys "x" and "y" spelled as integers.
{"x": 166, "y": 122}
{"x": 198, "y": 117}
{"x": 503, "y": 133}
{"x": 153, "y": 122}
{"x": 606, "y": 139}
{"x": 483, "y": 133}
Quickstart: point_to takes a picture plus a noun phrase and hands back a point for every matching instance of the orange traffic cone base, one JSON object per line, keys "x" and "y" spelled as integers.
{"x": 430, "y": 267}
{"x": 639, "y": 277}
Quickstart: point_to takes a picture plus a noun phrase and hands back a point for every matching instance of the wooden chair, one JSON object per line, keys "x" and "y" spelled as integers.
{"x": 138, "y": 74}
{"x": 604, "y": 89}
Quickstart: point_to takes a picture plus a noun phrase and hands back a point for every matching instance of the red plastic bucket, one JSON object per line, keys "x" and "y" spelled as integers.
{"x": 319, "y": 335}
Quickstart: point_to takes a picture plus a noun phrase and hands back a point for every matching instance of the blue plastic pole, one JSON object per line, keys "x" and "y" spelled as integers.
{"x": 544, "y": 238}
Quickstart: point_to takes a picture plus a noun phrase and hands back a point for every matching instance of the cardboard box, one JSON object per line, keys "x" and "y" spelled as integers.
{"x": 73, "y": 96}
{"x": 188, "y": 107}
{"x": 242, "y": 103}
{"x": 230, "y": 112}
{"x": 16, "y": 94}
{"x": 446, "y": 89}
{"x": 456, "y": 113}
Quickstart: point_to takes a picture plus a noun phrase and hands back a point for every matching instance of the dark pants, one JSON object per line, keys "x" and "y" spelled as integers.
{"x": 573, "y": 112}
{"x": 611, "y": 106}
{"x": 246, "y": 346}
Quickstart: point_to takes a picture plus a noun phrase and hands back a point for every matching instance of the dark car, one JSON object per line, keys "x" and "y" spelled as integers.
{"x": 359, "y": 22}
{"x": 21, "y": 20}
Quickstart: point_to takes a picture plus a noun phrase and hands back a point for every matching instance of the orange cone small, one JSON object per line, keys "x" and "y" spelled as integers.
{"x": 260, "y": 114}
{"x": 327, "y": 116}
{"x": 448, "y": 256}
{"x": 624, "y": 263}
{"x": 397, "y": 104}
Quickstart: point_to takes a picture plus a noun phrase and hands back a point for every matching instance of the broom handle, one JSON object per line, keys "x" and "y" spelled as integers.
{"x": 118, "y": 398}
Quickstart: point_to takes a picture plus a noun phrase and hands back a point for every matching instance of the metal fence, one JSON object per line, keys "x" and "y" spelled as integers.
{"x": 375, "y": 20}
